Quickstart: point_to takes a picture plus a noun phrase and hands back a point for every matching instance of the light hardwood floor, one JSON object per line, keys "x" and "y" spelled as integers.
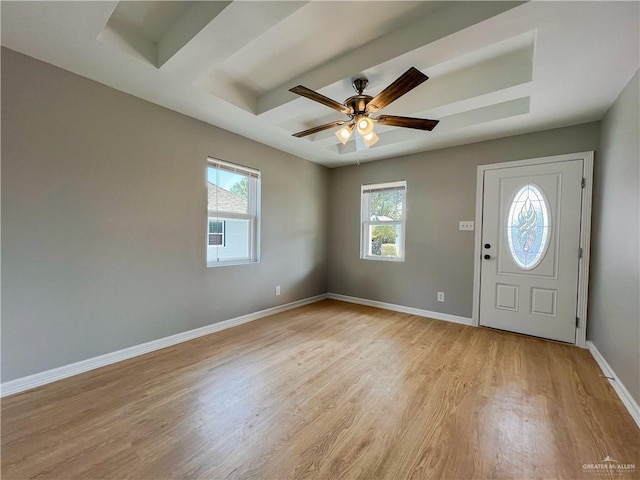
{"x": 330, "y": 390}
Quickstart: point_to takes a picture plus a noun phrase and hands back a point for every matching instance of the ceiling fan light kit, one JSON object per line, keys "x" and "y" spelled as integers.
{"x": 370, "y": 139}
{"x": 365, "y": 125}
{"x": 344, "y": 134}
{"x": 358, "y": 108}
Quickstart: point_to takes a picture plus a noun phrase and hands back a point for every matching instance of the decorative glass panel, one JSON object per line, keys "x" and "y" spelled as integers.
{"x": 528, "y": 227}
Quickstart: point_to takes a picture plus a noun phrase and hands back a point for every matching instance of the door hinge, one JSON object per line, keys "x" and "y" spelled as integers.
{"x": 577, "y": 322}
{"x": 584, "y": 181}
{"x": 580, "y": 252}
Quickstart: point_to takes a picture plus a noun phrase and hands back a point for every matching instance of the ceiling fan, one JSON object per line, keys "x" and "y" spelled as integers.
{"x": 359, "y": 108}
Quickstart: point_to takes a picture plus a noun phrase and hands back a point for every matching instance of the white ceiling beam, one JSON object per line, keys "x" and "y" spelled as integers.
{"x": 234, "y": 27}
{"x": 198, "y": 16}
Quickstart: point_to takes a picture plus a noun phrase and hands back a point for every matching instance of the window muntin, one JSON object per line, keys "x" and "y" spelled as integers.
{"x": 528, "y": 227}
{"x": 233, "y": 193}
{"x": 383, "y": 214}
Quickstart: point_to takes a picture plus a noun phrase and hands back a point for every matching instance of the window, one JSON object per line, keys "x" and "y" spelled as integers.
{"x": 233, "y": 193}
{"x": 383, "y": 216}
{"x": 528, "y": 227}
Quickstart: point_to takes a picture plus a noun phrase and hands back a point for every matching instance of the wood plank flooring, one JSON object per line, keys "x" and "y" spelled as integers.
{"x": 330, "y": 390}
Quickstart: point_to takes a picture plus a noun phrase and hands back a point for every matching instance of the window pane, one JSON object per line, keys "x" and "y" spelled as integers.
{"x": 227, "y": 191}
{"x": 386, "y": 205}
{"x": 384, "y": 240}
{"x": 236, "y": 242}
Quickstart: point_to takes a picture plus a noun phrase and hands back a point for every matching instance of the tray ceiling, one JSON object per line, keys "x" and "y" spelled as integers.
{"x": 495, "y": 68}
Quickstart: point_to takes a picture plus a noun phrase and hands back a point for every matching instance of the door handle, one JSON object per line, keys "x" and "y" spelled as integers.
{"x": 487, "y": 257}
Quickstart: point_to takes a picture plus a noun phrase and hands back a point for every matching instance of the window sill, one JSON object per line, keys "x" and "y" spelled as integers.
{"x": 231, "y": 263}
{"x": 383, "y": 259}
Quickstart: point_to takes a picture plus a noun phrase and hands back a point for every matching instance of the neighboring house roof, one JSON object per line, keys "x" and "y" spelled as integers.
{"x": 225, "y": 200}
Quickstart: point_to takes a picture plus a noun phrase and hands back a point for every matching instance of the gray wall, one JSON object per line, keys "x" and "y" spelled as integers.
{"x": 441, "y": 191}
{"x": 614, "y": 305}
{"x": 104, "y": 217}
{"x": 104, "y": 221}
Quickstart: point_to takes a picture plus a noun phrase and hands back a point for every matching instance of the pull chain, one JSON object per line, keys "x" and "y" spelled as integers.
{"x": 366, "y": 155}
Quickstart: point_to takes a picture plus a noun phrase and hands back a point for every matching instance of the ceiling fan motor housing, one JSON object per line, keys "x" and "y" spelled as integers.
{"x": 358, "y": 103}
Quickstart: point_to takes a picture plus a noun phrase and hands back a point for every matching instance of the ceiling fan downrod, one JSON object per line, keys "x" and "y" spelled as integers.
{"x": 360, "y": 85}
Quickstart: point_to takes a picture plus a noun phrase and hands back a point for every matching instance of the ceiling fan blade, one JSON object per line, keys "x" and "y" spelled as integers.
{"x": 403, "y": 84}
{"x": 319, "y": 128}
{"x": 317, "y": 97}
{"x": 407, "y": 122}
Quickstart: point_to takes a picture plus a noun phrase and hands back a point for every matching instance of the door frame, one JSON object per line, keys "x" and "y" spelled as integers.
{"x": 585, "y": 233}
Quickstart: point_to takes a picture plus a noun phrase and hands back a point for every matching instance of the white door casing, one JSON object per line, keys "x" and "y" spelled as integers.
{"x": 515, "y": 289}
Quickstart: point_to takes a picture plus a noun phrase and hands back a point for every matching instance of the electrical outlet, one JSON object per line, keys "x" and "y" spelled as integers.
{"x": 277, "y": 290}
{"x": 466, "y": 225}
{"x": 441, "y": 296}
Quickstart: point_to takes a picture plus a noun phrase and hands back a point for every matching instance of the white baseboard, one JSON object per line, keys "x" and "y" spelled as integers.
{"x": 618, "y": 386}
{"x": 48, "y": 376}
{"x": 399, "y": 308}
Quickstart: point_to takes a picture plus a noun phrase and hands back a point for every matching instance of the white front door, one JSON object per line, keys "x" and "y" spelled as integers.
{"x": 531, "y": 249}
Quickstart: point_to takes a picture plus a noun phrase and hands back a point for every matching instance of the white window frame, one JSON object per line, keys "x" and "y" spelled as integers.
{"x": 366, "y": 222}
{"x": 253, "y": 214}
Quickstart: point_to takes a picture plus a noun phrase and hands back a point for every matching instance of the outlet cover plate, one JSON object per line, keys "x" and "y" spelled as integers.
{"x": 466, "y": 225}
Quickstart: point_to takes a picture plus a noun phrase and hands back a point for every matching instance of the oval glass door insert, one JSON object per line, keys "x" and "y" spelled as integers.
{"x": 528, "y": 227}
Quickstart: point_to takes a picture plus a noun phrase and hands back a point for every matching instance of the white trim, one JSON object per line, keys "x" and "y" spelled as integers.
{"x": 585, "y": 244}
{"x": 477, "y": 253}
{"x": 585, "y": 232}
{"x": 383, "y": 258}
{"x": 48, "y": 376}
{"x": 618, "y": 386}
{"x": 233, "y": 167}
{"x": 400, "y": 308}
{"x": 567, "y": 157}
{"x": 383, "y": 187}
